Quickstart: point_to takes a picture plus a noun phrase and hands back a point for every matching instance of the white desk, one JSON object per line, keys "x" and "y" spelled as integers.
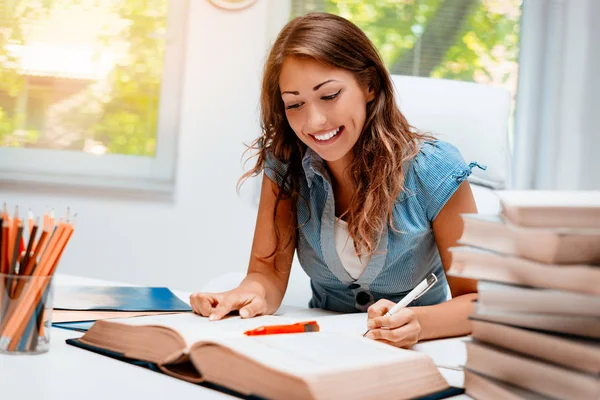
{"x": 66, "y": 370}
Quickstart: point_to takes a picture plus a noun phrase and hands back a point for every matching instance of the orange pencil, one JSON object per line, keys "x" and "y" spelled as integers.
{"x": 51, "y": 248}
{"x": 299, "y": 327}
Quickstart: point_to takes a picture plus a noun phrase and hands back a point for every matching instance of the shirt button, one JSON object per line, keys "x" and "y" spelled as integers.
{"x": 353, "y": 286}
{"x": 362, "y": 298}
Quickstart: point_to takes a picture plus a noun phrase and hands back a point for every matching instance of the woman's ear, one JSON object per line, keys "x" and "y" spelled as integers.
{"x": 373, "y": 85}
{"x": 370, "y": 94}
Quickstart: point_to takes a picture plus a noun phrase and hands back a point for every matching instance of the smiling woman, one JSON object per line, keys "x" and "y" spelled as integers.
{"x": 369, "y": 204}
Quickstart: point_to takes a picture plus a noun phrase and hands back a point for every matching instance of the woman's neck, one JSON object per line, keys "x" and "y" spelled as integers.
{"x": 340, "y": 171}
{"x": 343, "y": 186}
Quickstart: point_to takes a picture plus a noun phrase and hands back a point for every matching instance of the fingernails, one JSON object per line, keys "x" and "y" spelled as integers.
{"x": 244, "y": 313}
{"x": 370, "y": 335}
{"x": 212, "y": 317}
{"x": 371, "y": 324}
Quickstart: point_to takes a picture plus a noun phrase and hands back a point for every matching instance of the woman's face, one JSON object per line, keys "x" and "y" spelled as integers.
{"x": 325, "y": 106}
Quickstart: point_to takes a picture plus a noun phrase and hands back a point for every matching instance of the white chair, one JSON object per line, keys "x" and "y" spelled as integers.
{"x": 473, "y": 117}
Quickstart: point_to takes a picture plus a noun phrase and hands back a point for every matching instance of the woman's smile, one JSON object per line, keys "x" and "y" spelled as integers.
{"x": 327, "y": 137}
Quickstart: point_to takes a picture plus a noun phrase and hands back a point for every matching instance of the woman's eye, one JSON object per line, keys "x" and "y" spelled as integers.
{"x": 292, "y": 106}
{"x": 332, "y": 96}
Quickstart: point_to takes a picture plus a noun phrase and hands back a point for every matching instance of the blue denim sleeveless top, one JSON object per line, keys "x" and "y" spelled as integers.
{"x": 403, "y": 259}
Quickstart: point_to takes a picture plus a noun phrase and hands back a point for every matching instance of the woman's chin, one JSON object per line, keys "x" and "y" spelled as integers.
{"x": 333, "y": 155}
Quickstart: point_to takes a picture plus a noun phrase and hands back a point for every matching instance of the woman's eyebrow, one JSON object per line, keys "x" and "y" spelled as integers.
{"x": 296, "y": 93}
{"x": 323, "y": 83}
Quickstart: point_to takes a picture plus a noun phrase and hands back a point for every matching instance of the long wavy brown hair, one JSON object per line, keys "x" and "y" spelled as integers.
{"x": 385, "y": 145}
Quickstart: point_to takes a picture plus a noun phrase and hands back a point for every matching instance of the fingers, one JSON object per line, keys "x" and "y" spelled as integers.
{"x": 230, "y": 302}
{"x": 258, "y": 306}
{"x": 400, "y": 318}
{"x": 405, "y": 336}
{"x": 401, "y": 329}
{"x": 204, "y": 303}
{"x": 217, "y": 305}
{"x": 380, "y": 308}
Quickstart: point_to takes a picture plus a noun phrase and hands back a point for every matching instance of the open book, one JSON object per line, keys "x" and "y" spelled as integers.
{"x": 313, "y": 365}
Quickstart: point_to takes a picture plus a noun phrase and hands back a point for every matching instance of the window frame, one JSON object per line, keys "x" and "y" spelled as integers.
{"x": 30, "y": 166}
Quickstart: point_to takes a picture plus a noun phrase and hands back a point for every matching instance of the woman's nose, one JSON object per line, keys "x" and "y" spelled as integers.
{"x": 316, "y": 120}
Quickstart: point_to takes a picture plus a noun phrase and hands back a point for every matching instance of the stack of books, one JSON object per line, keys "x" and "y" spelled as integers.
{"x": 536, "y": 324}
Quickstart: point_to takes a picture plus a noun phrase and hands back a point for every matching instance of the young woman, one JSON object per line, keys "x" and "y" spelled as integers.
{"x": 370, "y": 205}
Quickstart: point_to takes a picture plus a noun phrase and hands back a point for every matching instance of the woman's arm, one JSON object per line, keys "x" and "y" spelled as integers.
{"x": 450, "y": 318}
{"x": 273, "y": 273}
{"x": 266, "y": 281}
{"x": 441, "y": 320}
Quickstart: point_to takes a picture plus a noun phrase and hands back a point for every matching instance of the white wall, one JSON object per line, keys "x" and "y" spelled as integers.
{"x": 207, "y": 228}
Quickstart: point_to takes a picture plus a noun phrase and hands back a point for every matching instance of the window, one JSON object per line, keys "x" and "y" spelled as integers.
{"x": 470, "y": 40}
{"x": 90, "y": 91}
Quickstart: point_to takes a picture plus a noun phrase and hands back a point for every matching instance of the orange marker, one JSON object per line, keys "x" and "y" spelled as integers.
{"x": 299, "y": 327}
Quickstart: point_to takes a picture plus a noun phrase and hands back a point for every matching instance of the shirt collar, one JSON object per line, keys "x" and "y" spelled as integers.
{"x": 313, "y": 165}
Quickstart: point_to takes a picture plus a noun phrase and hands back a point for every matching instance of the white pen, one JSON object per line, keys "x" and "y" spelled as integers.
{"x": 414, "y": 294}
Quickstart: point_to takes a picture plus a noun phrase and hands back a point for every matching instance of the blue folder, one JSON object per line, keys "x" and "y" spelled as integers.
{"x": 117, "y": 298}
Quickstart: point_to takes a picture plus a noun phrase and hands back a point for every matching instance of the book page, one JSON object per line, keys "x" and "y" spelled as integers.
{"x": 347, "y": 324}
{"x": 447, "y": 353}
{"x": 318, "y": 352}
{"x": 193, "y": 327}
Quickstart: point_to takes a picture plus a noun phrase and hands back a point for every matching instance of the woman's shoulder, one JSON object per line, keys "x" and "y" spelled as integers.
{"x": 435, "y": 173}
{"x": 438, "y": 159}
{"x": 441, "y": 153}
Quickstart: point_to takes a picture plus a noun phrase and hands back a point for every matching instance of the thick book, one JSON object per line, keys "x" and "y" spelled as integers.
{"x": 531, "y": 374}
{"x": 117, "y": 298}
{"x": 473, "y": 263}
{"x": 479, "y": 386}
{"x": 551, "y": 209}
{"x": 586, "y": 327}
{"x": 496, "y": 296}
{"x": 550, "y": 246}
{"x": 568, "y": 351}
{"x": 315, "y": 365}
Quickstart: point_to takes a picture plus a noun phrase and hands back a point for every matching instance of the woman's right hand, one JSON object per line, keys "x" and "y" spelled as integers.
{"x": 217, "y": 305}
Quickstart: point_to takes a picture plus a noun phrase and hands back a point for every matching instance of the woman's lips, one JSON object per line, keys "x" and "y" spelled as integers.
{"x": 330, "y": 140}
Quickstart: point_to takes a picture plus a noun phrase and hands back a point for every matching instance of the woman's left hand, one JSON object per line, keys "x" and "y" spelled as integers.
{"x": 401, "y": 329}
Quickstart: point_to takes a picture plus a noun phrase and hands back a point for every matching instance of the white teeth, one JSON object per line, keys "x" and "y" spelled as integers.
{"x": 328, "y": 135}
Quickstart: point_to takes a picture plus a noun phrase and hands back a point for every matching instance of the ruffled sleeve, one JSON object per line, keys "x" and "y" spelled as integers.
{"x": 439, "y": 169}
{"x": 275, "y": 169}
